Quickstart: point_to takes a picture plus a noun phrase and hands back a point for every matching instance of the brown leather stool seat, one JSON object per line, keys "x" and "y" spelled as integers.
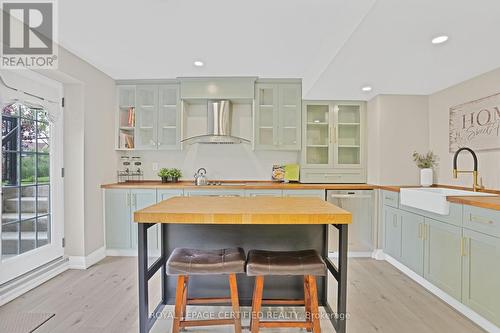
{"x": 307, "y": 263}
{"x": 184, "y": 262}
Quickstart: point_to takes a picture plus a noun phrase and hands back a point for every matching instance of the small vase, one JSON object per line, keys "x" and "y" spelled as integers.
{"x": 164, "y": 179}
{"x": 426, "y": 177}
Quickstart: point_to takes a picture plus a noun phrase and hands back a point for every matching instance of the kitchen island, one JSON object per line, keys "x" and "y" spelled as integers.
{"x": 251, "y": 223}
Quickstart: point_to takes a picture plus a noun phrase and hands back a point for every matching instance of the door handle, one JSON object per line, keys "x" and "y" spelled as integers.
{"x": 128, "y": 199}
{"x": 420, "y": 231}
{"x": 463, "y": 247}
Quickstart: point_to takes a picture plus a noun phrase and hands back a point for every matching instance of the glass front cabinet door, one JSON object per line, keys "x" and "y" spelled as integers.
{"x": 348, "y": 135}
{"x": 278, "y": 116}
{"x": 169, "y": 120}
{"x": 318, "y": 134}
{"x": 146, "y": 115}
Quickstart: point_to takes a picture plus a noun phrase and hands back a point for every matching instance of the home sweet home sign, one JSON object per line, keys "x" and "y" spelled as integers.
{"x": 476, "y": 124}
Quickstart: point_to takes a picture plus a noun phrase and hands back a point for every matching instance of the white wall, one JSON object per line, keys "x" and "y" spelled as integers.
{"x": 439, "y": 105}
{"x": 398, "y": 125}
{"x": 90, "y": 158}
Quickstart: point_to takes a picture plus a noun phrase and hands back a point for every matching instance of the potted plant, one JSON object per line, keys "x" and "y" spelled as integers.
{"x": 163, "y": 174}
{"x": 426, "y": 163}
{"x": 174, "y": 175}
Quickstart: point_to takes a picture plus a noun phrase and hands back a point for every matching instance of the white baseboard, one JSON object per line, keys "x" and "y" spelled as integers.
{"x": 81, "y": 262}
{"x": 378, "y": 254}
{"x": 127, "y": 253}
{"x": 463, "y": 309}
{"x": 360, "y": 254}
{"x": 31, "y": 281}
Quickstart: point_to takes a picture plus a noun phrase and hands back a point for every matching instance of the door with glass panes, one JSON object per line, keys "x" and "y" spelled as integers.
{"x": 318, "y": 134}
{"x": 32, "y": 190}
{"x": 347, "y": 143}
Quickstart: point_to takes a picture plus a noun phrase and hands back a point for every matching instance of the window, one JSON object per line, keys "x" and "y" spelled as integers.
{"x": 26, "y": 215}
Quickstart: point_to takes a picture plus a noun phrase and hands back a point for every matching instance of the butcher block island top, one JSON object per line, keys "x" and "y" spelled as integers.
{"x": 243, "y": 210}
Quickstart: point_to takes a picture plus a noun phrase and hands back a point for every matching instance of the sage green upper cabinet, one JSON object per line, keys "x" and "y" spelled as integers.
{"x": 149, "y": 117}
{"x": 412, "y": 241}
{"x": 278, "y": 115}
{"x": 481, "y": 274}
{"x": 333, "y": 144}
{"x": 348, "y": 135}
{"x": 146, "y": 114}
{"x": 318, "y": 130}
{"x": 443, "y": 257}
{"x": 169, "y": 118}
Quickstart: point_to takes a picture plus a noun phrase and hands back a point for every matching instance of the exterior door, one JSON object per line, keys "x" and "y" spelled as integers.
{"x": 31, "y": 232}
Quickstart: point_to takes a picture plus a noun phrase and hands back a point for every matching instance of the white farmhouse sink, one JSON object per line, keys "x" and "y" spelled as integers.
{"x": 433, "y": 199}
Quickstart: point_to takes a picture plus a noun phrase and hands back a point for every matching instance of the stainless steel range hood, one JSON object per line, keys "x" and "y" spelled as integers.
{"x": 218, "y": 125}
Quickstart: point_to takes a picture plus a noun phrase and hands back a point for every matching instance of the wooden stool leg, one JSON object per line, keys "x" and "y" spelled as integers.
{"x": 185, "y": 298}
{"x": 235, "y": 302}
{"x": 307, "y": 301}
{"x": 179, "y": 297}
{"x": 313, "y": 292}
{"x": 257, "y": 303}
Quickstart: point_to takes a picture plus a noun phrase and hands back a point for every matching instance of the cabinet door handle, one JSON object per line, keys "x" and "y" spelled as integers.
{"x": 128, "y": 199}
{"x": 420, "y": 231}
{"x": 480, "y": 219}
{"x": 463, "y": 246}
{"x": 134, "y": 200}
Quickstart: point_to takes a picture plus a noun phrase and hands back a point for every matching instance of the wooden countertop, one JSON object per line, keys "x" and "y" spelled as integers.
{"x": 483, "y": 202}
{"x": 249, "y": 185}
{"x": 239, "y": 210}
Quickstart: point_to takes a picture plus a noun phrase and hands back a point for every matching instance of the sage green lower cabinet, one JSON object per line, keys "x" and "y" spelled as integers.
{"x": 166, "y": 194}
{"x": 392, "y": 232}
{"x": 412, "y": 241}
{"x": 481, "y": 274}
{"x": 263, "y": 193}
{"x": 121, "y": 230}
{"x": 141, "y": 199}
{"x": 305, "y": 193}
{"x": 117, "y": 213}
{"x": 214, "y": 193}
{"x": 442, "y": 256}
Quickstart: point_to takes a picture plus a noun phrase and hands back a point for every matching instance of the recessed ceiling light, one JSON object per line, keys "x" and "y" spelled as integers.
{"x": 367, "y": 88}
{"x": 198, "y": 63}
{"x": 439, "y": 39}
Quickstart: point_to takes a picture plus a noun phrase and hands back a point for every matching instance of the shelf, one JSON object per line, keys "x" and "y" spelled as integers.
{"x": 348, "y": 124}
{"x": 147, "y": 106}
{"x": 126, "y": 107}
{"x": 290, "y": 127}
{"x": 266, "y": 127}
{"x": 266, "y": 106}
{"x": 127, "y": 128}
{"x": 169, "y": 105}
{"x": 349, "y": 146}
{"x": 290, "y": 106}
{"x": 169, "y": 127}
{"x": 146, "y": 127}
{"x": 317, "y": 146}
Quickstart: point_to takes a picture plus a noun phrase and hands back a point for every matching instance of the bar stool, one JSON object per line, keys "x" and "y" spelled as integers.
{"x": 286, "y": 263}
{"x": 185, "y": 262}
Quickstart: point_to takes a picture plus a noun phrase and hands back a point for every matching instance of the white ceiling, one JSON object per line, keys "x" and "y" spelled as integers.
{"x": 336, "y": 46}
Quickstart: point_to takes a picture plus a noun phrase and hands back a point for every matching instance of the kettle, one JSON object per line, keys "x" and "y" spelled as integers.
{"x": 200, "y": 177}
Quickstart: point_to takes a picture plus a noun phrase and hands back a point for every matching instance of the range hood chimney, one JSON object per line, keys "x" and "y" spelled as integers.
{"x": 219, "y": 114}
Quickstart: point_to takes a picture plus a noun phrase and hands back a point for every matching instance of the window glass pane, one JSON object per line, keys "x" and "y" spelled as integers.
{"x": 28, "y": 202}
{"x": 42, "y": 116}
{"x": 28, "y": 235}
{"x": 43, "y": 168}
{"x": 10, "y": 207}
{"x": 10, "y": 133}
{"x": 10, "y": 240}
{"x": 28, "y": 169}
{"x": 43, "y": 204}
{"x": 43, "y": 230}
{"x": 43, "y": 137}
{"x": 11, "y": 110}
{"x": 10, "y": 162}
{"x": 27, "y": 112}
{"x": 28, "y": 135}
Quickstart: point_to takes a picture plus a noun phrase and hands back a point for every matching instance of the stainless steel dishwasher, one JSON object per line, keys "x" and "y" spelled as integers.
{"x": 361, "y": 231}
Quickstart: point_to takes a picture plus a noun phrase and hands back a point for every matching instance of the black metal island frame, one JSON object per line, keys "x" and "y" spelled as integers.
{"x": 251, "y": 223}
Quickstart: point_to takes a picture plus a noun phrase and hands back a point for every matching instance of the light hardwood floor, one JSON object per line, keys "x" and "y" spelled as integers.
{"x": 104, "y": 299}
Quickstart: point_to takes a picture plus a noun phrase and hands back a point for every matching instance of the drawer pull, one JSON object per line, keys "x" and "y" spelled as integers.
{"x": 480, "y": 219}
{"x": 389, "y": 199}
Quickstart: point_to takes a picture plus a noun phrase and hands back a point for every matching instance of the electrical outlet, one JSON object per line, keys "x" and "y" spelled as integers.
{"x": 155, "y": 166}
